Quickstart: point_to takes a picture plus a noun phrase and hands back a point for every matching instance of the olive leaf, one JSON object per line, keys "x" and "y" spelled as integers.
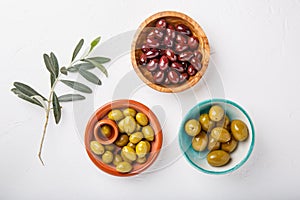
{"x": 98, "y": 65}
{"x": 64, "y": 70}
{"x": 77, "y": 49}
{"x": 94, "y": 43}
{"x": 54, "y": 64}
{"x": 52, "y": 79}
{"x": 25, "y": 97}
{"x": 27, "y": 90}
{"x": 100, "y": 60}
{"x": 56, "y": 108}
{"x": 77, "y": 86}
{"x": 40, "y": 99}
{"x": 70, "y": 97}
{"x": 49, "y": 66}
{"x": 72, "y": 69}
{"x": 90, "y": 76}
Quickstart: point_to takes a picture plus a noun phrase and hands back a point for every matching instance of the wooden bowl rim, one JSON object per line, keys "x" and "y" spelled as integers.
{"x": 191, "y": 82}
{"x": 102, "y": 111}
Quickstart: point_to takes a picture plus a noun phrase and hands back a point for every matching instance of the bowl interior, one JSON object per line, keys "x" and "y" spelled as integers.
{"x": 102, "y": 113}
{"x": 173, "y": 18}
{"x": 238, "y": 157}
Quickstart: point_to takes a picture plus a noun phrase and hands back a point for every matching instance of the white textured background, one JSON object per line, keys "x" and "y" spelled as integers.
{"x": 256, "y": 45}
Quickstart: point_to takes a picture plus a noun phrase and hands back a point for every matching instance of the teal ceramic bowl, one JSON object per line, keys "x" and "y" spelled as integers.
{"x": 198, "y": 159}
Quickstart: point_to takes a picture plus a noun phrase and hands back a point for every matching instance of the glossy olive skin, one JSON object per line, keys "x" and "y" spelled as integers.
{"x": 148, "y": 146}
{"x": 129, "y": 112}
{"x": 216, "y": 113}
{"x": 229, "y": 146}
{"x": 213, "y": 144}
{"x": 122, "y": 140}
{"x": 192, "y": 127}
{"x": 141, "y": 160}
{"x": 115, "y": 114}
{"x": 136, "y": 137}
{"x": 97, "y": 148}
{"x": 148, "y": 133}
{"x": 106, "y": 131}
{"x": 107, "y": 157}
{"x": 200, "y": 141}
{"x": 239, "y": 130}
{"x": 129, "y": 124}
{"x": 220, "y": 134}
{"x": 124, "y": 167}
{"x": 224, "y": 122}
{"x": 142, "y": 119}
{"x": 141, "y": 149}
{"x": 121, "y": 126}
{"x": 129, "y": 153}
{"x": 117, "y": 159}
{"x": 131, "y": 145}
{"x": 218, "y": 158}
{"x": 109, "y": 147}
{"x": 206, "y": 124}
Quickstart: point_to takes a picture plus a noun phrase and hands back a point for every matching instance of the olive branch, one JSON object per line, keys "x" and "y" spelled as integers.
{"x": 82, "y": 65}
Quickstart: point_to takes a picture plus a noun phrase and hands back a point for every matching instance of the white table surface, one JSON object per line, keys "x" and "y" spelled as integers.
{"x": 255, "y": 63}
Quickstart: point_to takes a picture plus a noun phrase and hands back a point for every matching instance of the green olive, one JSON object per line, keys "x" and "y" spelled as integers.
{"x": 142, "y": 119}
{"x": 138, "y": 127}
{"x": 106, "y": 131}
{"x": 220, "y": 134}
{"x": 122, "y": 140}
{"x": 224, "y": 122}
{"x": 218, "y": 158}
{"x": 213, "y": 144}
{"x": 124, "y": 158}
{"x": 131, "y": 145}
{"x": 148, "y": 146}
{"x": 117, "y": 159}
{"x": 206, "y": 124}
{"x": 109, "y": 147}
{"x": 115, "y": 115}
{"x": 141, "y": 160}
{"x": 216, "y": 113}
{"x": 107, "y": 157}
{"x": 97, "y": 148}
{"x": 129, "y": 125}
{"x": 148, "y": 133}
{"x": 200, "y": 141}
{"x": 124, "y": 167}
{"x": 136, "y": 137}
{"x": 129, "y": 153}
{"x": 192, "y": 127}
{"x": 121, "y": 126}
{"x": 229, "y": 146}
{"x": 141, "y": 149}
{"x": 239, "y": 130}
{"x": 129, "y": 112}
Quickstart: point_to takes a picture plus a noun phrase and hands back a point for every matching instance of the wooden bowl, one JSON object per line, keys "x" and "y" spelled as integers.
{"x": 174, "y": 18}
{"x": 101, "y": 113}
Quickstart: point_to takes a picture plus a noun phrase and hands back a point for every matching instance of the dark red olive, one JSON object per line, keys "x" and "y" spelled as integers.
{"x": 177, "y": 66}
{"x": 163, "y": 63}
{"x": 198, "y": 55}
{"x": 183, "y": 29}
{"x": 152, "y": 53}
{"x": 191, "y": 70}
{"x": 181, "y": 47}
{"x": 161, "y": 23}
{"x": 185, "y": 56}
{"x": 152, "y": 43}
{"x": 170, "y": 32}
{"x": 143, "y": 59}
{"x": 155, "y": 34}
{"x": 162, "y": 52}
{"x": 167, "y": 81}
{"x": 145, "y": 48}
{"x": 173, "y": 76}
{"x": 183, "y": 77}
{"x": 152, "y": 65}
{"x": 193, "y": 42}
{"x": 159, "y": 76}
{"x": 196, "y": 63}
{"x": 185, "y": 65}
{"x": 171, "y": 55}
{"x": 181, "y": 39}
{"x": 167, "y": 42}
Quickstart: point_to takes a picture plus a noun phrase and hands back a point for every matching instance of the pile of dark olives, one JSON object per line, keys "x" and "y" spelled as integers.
{"x": 218, "y": 134}
{"x": 133, "y": 143}
{"x": 170, "y": 53}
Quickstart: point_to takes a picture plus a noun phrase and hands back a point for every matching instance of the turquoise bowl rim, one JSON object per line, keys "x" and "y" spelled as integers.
{"x": 211, "y": 101}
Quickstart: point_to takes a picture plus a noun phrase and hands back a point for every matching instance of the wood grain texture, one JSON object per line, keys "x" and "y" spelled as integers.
{"x": 173, "y": 18}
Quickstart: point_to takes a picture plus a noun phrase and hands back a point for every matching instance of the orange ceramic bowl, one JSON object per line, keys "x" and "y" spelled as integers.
{"x": 101, "y": 113}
